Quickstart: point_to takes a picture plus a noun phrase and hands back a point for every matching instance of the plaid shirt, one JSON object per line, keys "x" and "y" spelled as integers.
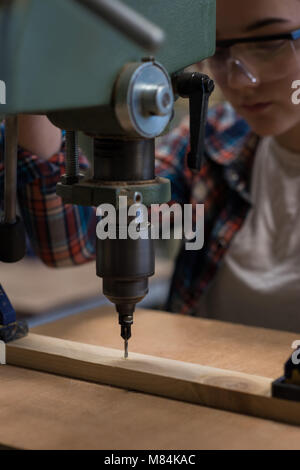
{"x": 223, "y": 185}
{"x": 63, "y": 235}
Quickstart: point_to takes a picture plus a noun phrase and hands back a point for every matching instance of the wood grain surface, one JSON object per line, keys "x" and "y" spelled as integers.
{"x": 256, "y": 351}
{"x": 44, "y": 411}
{"x": 219, "y": 388}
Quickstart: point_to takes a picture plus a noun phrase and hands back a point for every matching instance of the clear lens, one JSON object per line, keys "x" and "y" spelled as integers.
{"x": 266, "y": 60}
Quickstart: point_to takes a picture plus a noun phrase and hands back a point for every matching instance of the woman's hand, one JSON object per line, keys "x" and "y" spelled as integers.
{"x": 38, "y": 135}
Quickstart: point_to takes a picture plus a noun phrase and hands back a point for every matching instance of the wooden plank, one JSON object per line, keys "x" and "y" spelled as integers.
{"x": 224, "y": 389}
{"x": 257, "y": 351}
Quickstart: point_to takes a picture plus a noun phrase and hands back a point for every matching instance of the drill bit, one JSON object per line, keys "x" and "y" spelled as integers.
{"x": 126, "y": 333}
{"x": 125, "y": 320}
{"x": 125, "y": 348}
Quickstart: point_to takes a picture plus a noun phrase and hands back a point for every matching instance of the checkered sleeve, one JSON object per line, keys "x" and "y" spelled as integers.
{"x": 61, "y": 235}
{"x": 170, "y": 161}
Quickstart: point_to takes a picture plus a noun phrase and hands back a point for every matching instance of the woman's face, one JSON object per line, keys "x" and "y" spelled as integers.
{"x": 267, "y": 104}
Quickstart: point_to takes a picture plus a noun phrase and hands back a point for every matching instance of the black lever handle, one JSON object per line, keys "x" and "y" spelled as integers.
{"x": 12, "y": 231}
{"x": 197, "y": 87}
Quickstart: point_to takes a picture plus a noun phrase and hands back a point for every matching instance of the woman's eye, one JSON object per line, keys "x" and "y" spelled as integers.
{"x": 269, "y": 45}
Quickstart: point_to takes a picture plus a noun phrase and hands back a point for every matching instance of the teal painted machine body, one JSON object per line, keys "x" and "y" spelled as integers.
{"x": 57, "y": 56}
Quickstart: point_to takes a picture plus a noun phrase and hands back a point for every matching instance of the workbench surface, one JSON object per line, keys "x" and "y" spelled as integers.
{"x": 44, "y": 411}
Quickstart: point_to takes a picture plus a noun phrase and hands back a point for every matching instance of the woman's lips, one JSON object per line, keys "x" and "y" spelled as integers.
{"x": 256, "y": 108}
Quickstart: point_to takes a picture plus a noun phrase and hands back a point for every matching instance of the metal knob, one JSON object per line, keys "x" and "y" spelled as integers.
{"x": 144, "y": 99}
{"x": 157, "y": 100}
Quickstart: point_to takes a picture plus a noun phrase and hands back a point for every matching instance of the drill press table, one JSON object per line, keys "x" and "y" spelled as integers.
{"x": 40, "y": 410}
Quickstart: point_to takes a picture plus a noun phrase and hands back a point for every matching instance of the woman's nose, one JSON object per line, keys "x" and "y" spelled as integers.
{"x": 239, "y": 75}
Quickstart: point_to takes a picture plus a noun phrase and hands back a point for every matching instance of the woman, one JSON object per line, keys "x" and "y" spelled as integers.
{"x": 249, "y": 268}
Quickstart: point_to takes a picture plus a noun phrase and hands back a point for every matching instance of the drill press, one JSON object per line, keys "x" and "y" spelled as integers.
{"x": 107, "y": 89}
{"x": 124, "y": 166}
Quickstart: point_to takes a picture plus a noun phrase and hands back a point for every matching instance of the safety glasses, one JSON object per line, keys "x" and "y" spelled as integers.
{"x": 259, "y": 58}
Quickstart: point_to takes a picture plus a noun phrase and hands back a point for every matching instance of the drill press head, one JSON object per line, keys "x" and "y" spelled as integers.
{"x": 124, "y": 166}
